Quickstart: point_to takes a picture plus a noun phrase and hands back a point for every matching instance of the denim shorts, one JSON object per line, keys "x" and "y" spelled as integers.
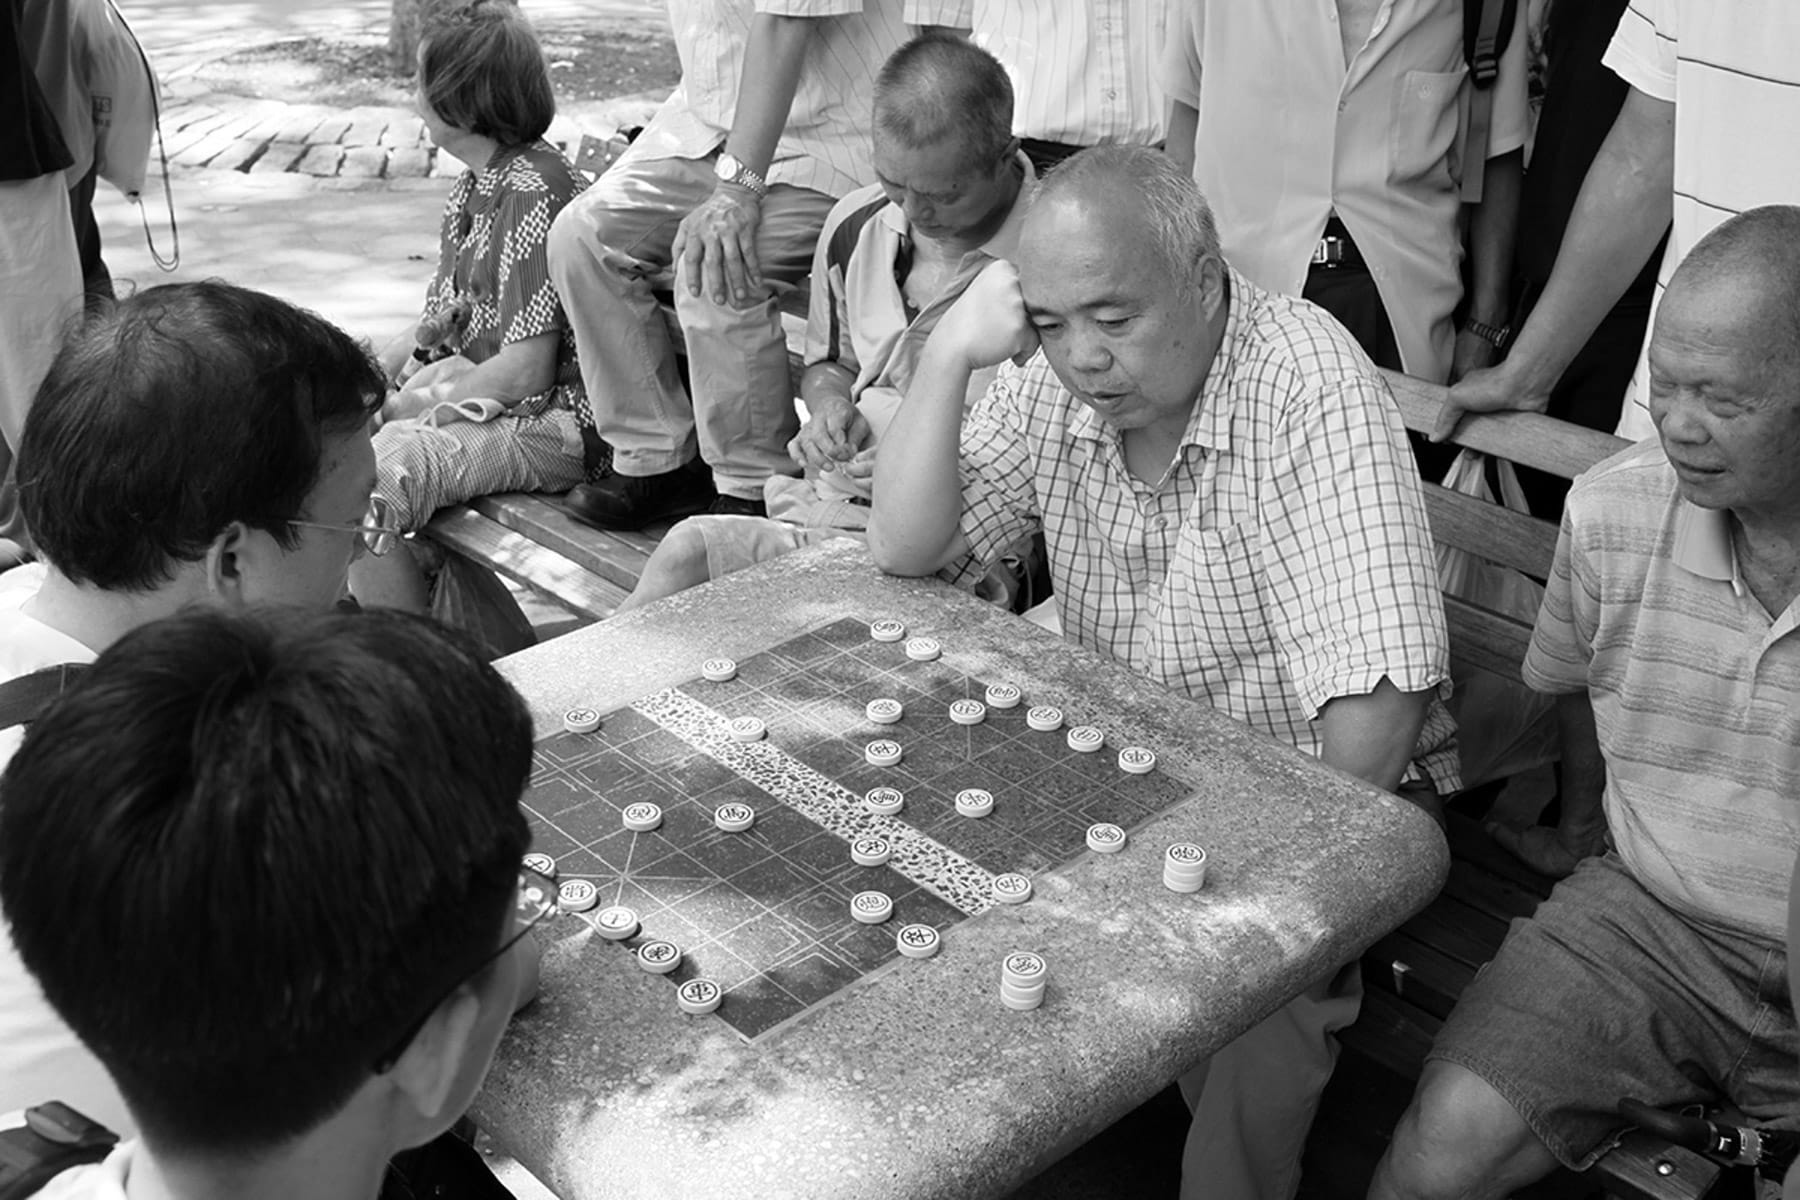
{"x": 1607, "y": 993}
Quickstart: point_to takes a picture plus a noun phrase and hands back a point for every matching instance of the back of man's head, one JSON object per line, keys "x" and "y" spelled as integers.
{"x": 248, "y": 851}
{"x": 942, "y": 86}
{"x": 173, "y": 414}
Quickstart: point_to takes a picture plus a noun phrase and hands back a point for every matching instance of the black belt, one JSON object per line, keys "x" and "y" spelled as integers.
{"x": 1335, "y": 249}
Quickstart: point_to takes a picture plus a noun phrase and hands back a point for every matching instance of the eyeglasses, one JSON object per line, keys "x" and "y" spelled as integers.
{"x": 377, "y": 528}
{"x": 536, "y": 904}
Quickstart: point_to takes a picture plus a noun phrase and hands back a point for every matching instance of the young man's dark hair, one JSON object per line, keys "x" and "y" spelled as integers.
{"x": 248, "y": 855}
{"x": 484, "y": 72}
{"x": 175, "y": 412}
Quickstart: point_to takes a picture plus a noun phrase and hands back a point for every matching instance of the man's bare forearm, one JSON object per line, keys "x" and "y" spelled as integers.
{"x": 1621, "y": 213}
{"x": 915, "y": 522}
{"x": 1493, "y": 228}
{"x": 773, "y": 57}
{"x": 1373, "y": 736}
{"x": 1184, "y": 127}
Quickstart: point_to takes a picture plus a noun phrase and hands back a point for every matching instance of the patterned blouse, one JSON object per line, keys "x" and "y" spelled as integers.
{"x": 493, "y": 270}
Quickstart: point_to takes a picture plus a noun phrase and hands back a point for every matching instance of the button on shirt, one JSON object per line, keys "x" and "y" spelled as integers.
{"x": 1288, "y": 134}
{"x": 1695, "y": 688}
{"x": 1083, "y": 71}
{"x": 825, "y": 142}
{"x": 1282, "y": 561}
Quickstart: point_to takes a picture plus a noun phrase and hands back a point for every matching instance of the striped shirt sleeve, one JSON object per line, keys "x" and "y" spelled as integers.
{"x": 1562, "y": 642}
{"x": 954, "y": 14}
{"x": 1643, "y": 49}
{"x": 809, "y": 8}
{"x": 1181, "y": 56}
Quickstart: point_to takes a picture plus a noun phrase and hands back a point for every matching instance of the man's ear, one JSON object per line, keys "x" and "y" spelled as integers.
{"x": 433, "y": 1063}
{"x": 1212, "y": 284}
{"x": 226, "y": 561}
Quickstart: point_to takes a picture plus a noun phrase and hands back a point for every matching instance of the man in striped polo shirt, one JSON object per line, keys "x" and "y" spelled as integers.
{"x": 891, "y": 259}
{"x": 1657, "y": 970}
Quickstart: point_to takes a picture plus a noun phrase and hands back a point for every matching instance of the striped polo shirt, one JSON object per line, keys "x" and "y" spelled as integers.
{"x": 1732, "y": 70}
{"x": 1696, "y": 693}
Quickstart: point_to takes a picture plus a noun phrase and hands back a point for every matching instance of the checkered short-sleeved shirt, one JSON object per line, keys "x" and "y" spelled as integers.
{"x": 1283, "y": 560}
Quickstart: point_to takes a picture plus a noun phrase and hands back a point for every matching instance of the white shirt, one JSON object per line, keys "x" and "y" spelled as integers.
{"x": 40, "y": 1057}
{"x": 1288, "y": 133}
{"x": 1083, "y": 72}
{"x": 825, "y": 143}
{"x": 104, "y": 1180}
{"x": 1732, "y": 70}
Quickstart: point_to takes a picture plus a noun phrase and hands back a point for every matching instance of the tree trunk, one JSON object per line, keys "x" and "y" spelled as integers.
{"x": 409, "y": 20}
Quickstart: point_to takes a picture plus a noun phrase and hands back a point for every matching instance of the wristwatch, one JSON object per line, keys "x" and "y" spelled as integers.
{"x": 1494, "y": 335}
{"x": 731, "y": 169}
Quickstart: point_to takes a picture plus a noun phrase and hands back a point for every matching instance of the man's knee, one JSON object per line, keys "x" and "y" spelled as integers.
{"x": 1459, "y": 1138}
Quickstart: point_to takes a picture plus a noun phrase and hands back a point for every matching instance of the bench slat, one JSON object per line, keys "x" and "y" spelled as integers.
{"x": 1490, "y": 530}
{"x": 617, "y": 557}
{"x": 1529, "y": 439}
{"x": 1481, "y": 637}
{"x": 525, "y": 562}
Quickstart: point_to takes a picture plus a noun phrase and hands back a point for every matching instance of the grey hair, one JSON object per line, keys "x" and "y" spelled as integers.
{"x": 1180, "y": 220}
{"x": 941, "y": 85}
{"x": 1761, "y": 247}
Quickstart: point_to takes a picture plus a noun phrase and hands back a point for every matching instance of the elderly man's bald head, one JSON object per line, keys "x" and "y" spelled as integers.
{"x": 1138, "y": 182}
{"x": 1748, "y": 269}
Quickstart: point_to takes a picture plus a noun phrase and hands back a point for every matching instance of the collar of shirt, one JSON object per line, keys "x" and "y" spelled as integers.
{"x": 1209, "y": 425}
{"x": 1701, "y": 543}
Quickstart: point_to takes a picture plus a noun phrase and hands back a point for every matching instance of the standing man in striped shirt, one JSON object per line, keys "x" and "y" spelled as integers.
{"x": 1230, "y": 507}
{"x": 729, "y": 184}
{"x": 1669, "y": 627}
{"x": 1084, "y": 71}
{"x": 1707, "y": 131}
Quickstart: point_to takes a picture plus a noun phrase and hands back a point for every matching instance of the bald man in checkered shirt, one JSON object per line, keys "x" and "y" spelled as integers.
{"x": 1230, "y": 506}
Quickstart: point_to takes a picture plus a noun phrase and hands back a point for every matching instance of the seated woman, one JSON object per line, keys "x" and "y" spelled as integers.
{"x": 498, "y": 404}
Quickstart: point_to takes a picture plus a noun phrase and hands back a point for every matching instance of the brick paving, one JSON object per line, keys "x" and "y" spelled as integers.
{"x": 231, "y": 133}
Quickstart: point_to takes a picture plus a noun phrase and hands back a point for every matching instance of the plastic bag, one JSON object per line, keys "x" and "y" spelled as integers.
{"x": 1503, "y": 727}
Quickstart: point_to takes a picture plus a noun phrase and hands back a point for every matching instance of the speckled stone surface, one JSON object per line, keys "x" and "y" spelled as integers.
{"x": 915, "y": 1081}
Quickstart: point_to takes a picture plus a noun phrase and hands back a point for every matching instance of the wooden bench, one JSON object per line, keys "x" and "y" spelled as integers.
{"x": 1414, "y": 975}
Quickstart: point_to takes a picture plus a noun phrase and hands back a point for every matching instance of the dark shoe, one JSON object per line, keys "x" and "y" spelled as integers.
{"x": 632, "y": 501}
{"x": 737, "y": 506}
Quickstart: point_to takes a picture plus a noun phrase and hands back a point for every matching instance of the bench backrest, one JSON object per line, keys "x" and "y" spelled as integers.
{"x": 1480, "y": 636}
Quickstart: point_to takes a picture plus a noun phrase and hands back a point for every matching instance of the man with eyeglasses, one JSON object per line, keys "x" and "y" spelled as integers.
{"x": 197, "y": 444}
{"x": 350, "y": 1005}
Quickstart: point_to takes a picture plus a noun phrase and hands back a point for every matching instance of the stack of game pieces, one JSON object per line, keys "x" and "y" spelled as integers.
{"x": 1022, "y": 979}
{"x": 871, "y": 908}
{"x": 917, "y": 941}
{"x": 617, "y": 923}
{"x": 1184, "y": 868}
{"x": 975, "y": 802}
{"x": 1105, "y": 838}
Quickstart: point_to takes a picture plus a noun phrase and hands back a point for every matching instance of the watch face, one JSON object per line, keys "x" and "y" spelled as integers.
{"x": 727, "y": 166}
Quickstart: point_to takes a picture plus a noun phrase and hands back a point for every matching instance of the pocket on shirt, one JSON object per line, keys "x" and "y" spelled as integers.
{"x": 1422, "y": 134}
{"x": 1213, "y": 577}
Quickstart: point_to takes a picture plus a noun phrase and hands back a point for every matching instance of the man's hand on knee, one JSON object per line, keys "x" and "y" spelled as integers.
{"x": 716, "y": 245}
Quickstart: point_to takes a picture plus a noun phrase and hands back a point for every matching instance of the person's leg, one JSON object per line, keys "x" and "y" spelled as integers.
{"x": 1255, "y": 1099}
{"x": 605, "y": 248}
{"x": 1459, "y": 1137}
{"x": 1601, "y": 994}
{"x": 422, "y": 469}
{"x": 737, "y": 357}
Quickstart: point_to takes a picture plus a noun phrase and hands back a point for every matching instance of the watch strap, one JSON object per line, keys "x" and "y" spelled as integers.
{"x": 1494, "y": 335}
